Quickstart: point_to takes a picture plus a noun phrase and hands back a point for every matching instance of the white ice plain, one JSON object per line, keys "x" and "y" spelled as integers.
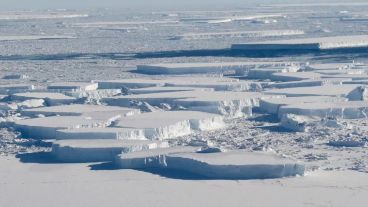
{"x": 184, "y": 108}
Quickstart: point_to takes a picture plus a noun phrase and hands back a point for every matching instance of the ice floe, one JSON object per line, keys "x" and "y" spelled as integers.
{"x": 98, "y": 150}
{"x": 171, "y": 124}
{"x": 322, "y": 43}
{"x": 227, "y": 165}
{"x": 50, "y": 98}
{"x": 73, "y": 86}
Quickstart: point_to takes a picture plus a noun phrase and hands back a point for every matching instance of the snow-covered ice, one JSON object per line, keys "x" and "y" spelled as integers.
{"x": 50, "y": 98}
{"x": 237, "y": 34}
{"x": 15, "y": 88}
{"x": 231, "y": 104}
{"x": 171, "y": 124}
{"x": 234, "y": 165}
{"x": 73, "y": 86}
{"x": 322, "y": 43}
{"x": 145, "y": 107}
{"x": 47, "y": 127}
{"x": 79, "y": 110}
{"x": 339, "y": 109}
{"x": 226, "y": 165}
{"x": 98, "y": 150}
{"x": 190, "y": 68}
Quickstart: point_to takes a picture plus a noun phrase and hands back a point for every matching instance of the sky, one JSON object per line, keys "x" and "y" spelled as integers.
{"x": 140, "y": 4}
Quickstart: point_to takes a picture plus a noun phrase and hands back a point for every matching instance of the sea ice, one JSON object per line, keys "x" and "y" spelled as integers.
{"x": 15, "y": 88}
{"x": 79, "y": 110}
{"x": 51, "y": 99}
{"x": 234, "y": 165}
{"x": 98, "y": 150}
{"x": 342, "y": 109}
{"x": 326, "y": 90}
{"x": 47, "y": 127}
{"x": 227, "y": 165}
{"x": 322, "y": 43}
{"x": 72, "y": 86}
{"x": 171, "y": 124}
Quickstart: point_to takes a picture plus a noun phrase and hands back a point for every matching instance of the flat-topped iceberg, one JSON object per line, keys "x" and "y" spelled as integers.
{"x": 236, "y": 34}
{"x": 73, "y": 86}
{"x": 227, "y": 165}
{"x": 325, "y": 90}
{"x": 78, "y": 110}
{"x": 321, "y": 43}
{"x": 192, "y": 68}
{"x": 46, "y": 127}
{"x": 98, "y": 150}
{"x": 230, "y": 104}
{"x": 342, "y": 109}
{"x": 51, "y": 99}
{"x": 171, "y": 124}
{"x": 15, "y": 88}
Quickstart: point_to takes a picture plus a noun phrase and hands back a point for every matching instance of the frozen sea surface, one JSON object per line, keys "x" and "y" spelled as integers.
{"x": 163, "y": 96}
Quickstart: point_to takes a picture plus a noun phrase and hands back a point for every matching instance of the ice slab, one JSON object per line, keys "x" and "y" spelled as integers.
{"x": 15, "y": 88}
{"x": 27, "y": 15}
{"x": 73, "y": 86}
{"x": 15, "y": 77}
{"x": 298, "y": 76}
{"x": 329, "y": 66}
{"x": 357, "y": 76}
{"x": 272, "y": 105}
{"x": 99, "y": 150}
{"x": 298, "y": 123}
{"x": 78, "y": 110}
{"x": 216, "y": 83}
{"x": 101, "y": 133}
{"x": 130, "y": 83}
{"x": 170, "y": 124}
{"x": 322, "y": 43}
{"x": 227, "y": 165}
{"x": 267, "y": 71}
{"x": 226, "y": 19}
{"x": 234, "y": 165}
{"x": 191, "y": 68}
{"x": 344, "y": 109}
{"x": 231, "y": 104}
{"x": 34, "y": 37}
{"x": 95, "y": 94}
{"x": 308, "y": 83}
{"x": 47, "y": 127}
{"x": 347, "y": 143}
{"x": 326, "y": 90}
{"x": 104, "y": 24}
{"x": 165, "y": 89}
{"x": 50, "y": 98}
{"x": 154, "y": 158}
{"x": 236, "y": 34}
